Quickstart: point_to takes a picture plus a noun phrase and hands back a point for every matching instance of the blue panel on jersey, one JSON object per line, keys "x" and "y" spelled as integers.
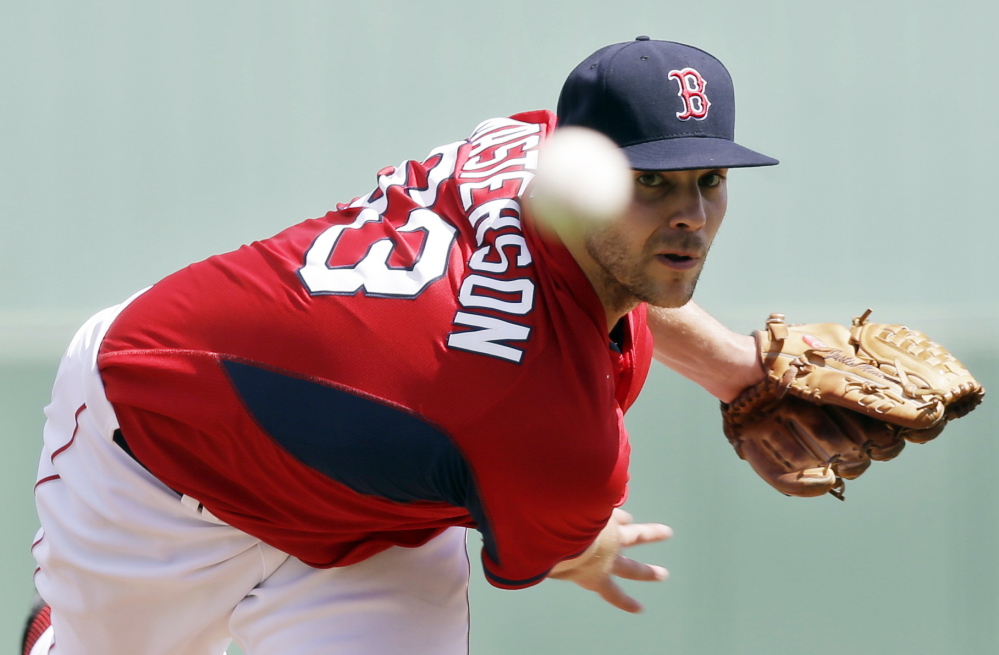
{"x": 370, "y": 447}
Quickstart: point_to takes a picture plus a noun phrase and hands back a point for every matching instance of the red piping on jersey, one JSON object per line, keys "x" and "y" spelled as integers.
{"x": 76, "y": 429}
{"x": 48, "y": 479}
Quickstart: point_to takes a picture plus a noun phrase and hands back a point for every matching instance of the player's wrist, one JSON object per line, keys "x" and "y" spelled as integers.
{"x": 744, "y": 369}
{"x": 596, "y": 561}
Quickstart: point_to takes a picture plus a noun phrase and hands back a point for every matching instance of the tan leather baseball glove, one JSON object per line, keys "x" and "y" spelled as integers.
{"x": 837, "y": 397}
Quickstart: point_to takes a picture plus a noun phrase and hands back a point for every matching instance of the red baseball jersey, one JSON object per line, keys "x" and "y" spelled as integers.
{"x": 417, "y": 359}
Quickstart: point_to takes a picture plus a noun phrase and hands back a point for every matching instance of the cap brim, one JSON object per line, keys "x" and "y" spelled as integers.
{"x": 687, "y": 153}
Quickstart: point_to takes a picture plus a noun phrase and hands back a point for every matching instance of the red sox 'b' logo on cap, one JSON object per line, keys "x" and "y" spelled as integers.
{"x": 695, "y": 103}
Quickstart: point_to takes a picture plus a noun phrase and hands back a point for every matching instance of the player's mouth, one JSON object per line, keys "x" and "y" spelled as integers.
{"x": 679, "y": 261}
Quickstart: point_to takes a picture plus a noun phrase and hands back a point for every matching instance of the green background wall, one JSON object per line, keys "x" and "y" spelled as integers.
{"x": 136, "y": 137}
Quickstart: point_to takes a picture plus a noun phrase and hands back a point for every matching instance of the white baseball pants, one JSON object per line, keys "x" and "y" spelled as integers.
{"x": 131, "y": 568}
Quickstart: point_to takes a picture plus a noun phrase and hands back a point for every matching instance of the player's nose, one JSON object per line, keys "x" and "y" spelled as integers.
{"x": 688, "y": 214}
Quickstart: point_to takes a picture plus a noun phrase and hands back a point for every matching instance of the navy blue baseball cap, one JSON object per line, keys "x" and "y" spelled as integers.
{"x": 669, "y": 106}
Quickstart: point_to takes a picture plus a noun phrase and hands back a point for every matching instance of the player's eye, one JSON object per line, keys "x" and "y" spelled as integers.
{"x": 650, "y": 179}
{"x": 712, "y": 179}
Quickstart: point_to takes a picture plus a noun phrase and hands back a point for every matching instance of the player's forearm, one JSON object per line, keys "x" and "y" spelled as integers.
{"x": 695, "y": 345}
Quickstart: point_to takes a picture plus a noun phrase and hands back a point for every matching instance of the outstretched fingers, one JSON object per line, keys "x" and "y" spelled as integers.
{"x": 614, "y": 595}
{"x": 629, "y": 569}
{"x": 633, "y": 534}
{"x": 598, "y": 569}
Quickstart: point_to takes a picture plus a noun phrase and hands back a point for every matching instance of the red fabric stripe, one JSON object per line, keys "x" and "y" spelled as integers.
{"x": 75, "y": 430}
{"x": 39, "y": 624}
{"x": 48, "y": 479}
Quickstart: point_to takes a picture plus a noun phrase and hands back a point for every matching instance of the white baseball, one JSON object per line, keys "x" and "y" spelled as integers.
{"x": 583, "y": 180}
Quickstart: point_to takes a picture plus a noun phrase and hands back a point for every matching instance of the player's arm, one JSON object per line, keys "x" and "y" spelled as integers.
{"x": 695, "y": 345}
{"x": 597, "y": 567}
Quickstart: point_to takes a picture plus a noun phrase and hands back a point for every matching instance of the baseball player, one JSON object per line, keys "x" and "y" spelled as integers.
{"x": 285, "y": 444}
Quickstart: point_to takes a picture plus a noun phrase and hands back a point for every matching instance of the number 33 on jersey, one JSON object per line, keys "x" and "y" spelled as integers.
{"x": 374, "y": 257}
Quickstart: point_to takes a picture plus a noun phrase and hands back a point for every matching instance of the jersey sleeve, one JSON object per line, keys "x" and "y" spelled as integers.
{"x": 549, "y": 462}
{"x": 545, "y": 508}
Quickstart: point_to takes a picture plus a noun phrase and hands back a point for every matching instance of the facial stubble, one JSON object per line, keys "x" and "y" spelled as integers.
{"x": 624, "y": 278}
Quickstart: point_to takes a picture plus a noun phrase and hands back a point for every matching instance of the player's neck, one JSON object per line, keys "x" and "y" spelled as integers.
{"x": 616, "y": 300}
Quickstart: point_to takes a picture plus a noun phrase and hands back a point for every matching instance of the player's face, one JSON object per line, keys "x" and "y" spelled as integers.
{"x": 655, "y": 253}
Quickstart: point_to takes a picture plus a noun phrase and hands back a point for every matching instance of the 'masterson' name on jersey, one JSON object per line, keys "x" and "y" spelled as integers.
{"x": 503, "y": 153}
